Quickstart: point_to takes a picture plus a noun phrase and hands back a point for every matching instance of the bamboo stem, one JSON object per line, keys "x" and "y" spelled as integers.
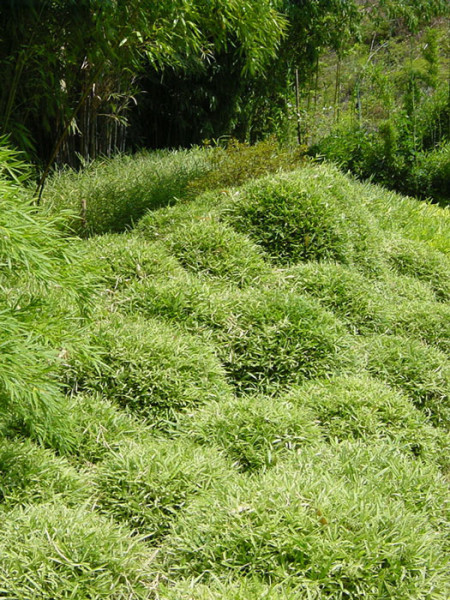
{"x": 297, "y": 104}
{"x": 62, "y": 137}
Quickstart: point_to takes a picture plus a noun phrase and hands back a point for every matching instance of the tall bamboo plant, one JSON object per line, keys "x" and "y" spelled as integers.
{"x": 70, "y": 66}
{"x": 42, "y": 308}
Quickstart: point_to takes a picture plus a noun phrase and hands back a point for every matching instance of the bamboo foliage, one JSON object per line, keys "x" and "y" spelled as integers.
{"x": 70, "y": 67}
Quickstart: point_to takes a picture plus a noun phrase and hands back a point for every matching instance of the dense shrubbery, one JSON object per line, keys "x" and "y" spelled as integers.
{"x": 149, "y": 367}
{"x": 370, "y": 155}
{"x": 43, "y": 303}
{"x": 242, "y": 414}
{"x": 392, "y": 123}
{"x": 304, "y": 216}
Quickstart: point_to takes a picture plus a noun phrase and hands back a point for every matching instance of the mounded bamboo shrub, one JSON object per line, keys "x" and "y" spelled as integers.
{"x": 255, "y": 432}
{"x": 362, "y": 407}
{"x": 325, "y": 520}
{"x": 422, "y": 262}
{"x": 148, "y": 485}
{"x": 310, "y": 214}
{"x": 59, "y": 552}
{"x": 419, "y": 370}
{"x": 150, "y": 367}
{"x": 31, "y": 474}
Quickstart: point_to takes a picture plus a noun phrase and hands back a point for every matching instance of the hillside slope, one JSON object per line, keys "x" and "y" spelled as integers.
{"x": 255, "y": 404}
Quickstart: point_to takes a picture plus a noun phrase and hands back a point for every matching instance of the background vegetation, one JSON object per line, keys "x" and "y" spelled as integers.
{"x": 361, "y": 83}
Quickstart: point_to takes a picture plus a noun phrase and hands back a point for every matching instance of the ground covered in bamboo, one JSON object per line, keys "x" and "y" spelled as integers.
{"x": 223, "y": 391}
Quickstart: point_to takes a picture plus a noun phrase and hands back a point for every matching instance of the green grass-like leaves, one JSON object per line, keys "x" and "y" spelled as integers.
{"x": 245, "y": 397}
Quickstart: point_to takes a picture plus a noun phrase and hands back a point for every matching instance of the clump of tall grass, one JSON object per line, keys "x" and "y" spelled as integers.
{"x": 110, "y": 195}
{"x": 148, "y": 485}
{"x": 419, "y": 370}
{"x": 150, "y": 367}
{"x": 255, "y": 432}
{"x": 347, "y": 520}
{"x": 37, "y": 264}
{"x": 53, "y": 552}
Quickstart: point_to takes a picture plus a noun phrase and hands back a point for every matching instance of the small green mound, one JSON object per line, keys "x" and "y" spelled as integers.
{"x": 30, "y": 474}
{"x": 184, "y": 298}
{"x": 147, "y": 485}
{"x": 274, "y": 339}
{"x": 255, "y": 432}
{"x": 426, "y": 321}
{"x": 202, "y": 244}
{"x": 151, "y": 367}
{"x": 397, "y": 288}
{"x": 121, "y": 258}
{"x": 360, "y": 407}
{"x": 243, "y": 588}
{"x": 419, "y": 370}
{"x": 391, "y": 304}
{"x": 99, "y": 427}
{"x": 351, "y": 520}
{"x": 158, "y": 223}
{"x": 400, "y": 215}
{"x": 215, "y": 249}
{"x": 52, "y": 552}
{"x": 419, "y": 260}
{"x": 305, "y": 215}
{"x": 342, "y": 289}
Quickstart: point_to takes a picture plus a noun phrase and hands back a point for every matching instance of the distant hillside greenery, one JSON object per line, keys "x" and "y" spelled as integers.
{"x": 224, "y": 374}
{"x": 385, "y": 112}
